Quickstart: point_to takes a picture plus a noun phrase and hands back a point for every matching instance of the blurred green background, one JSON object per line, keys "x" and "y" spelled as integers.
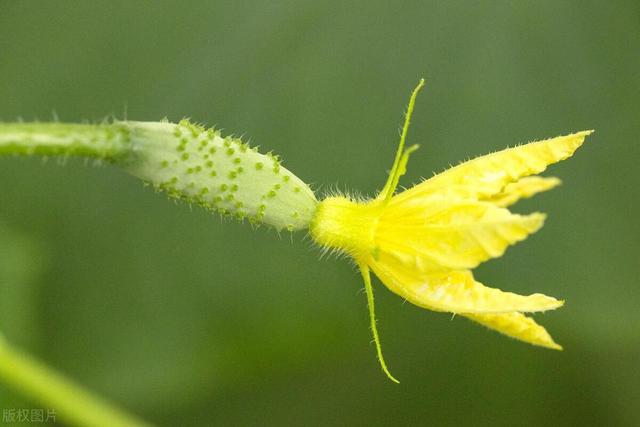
{"x": 189, "y": 320}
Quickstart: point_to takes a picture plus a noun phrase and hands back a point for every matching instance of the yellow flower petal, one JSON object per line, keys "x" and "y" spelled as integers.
{"x": 423, "y": 242}
{"x": 523, "y": 188}
{"x": 455, "y": 291}
{"x": 487, "y": 175}
{"x": 449, "y": 234}
{"x": 518, "y": 326}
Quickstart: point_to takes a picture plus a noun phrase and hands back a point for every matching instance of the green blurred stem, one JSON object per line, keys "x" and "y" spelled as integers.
{"x": 107, "y": 141}
{"x": 71, "y": 402}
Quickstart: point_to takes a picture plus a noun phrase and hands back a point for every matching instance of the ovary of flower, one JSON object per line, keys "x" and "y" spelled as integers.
{"x": 423, "y": 242}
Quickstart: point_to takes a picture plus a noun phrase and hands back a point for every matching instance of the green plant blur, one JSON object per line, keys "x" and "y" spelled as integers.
{"x": 187, "y": 320}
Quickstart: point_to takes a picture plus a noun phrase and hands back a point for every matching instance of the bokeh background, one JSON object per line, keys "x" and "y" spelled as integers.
{"x": 188, "y": 320}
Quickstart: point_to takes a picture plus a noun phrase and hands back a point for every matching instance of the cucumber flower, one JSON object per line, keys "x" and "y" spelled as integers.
{"x": 423, "y": 242}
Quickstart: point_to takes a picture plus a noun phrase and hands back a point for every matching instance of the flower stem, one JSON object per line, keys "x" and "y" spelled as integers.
{"x": 107, "y": 141}
{"x": 73, "y": 403}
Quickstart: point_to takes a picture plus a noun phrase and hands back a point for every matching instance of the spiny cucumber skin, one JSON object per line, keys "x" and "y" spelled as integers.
{"x": 221, "y": 174}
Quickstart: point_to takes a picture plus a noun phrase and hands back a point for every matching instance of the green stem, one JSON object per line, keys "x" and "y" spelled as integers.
{"x": 107, "y": 141}
{"x": 72, "y": 402}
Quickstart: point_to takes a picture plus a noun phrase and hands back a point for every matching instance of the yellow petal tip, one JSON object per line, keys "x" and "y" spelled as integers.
{"x": 579, "y": 138}
{"x": 553, "y": 181}
{"x": 555, "y": 346}
{"x": 540, "y": 302}
{"x": 583, "y": 133}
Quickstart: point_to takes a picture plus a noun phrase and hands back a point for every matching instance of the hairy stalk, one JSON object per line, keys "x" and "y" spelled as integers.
{"x": 71, "y": 402}
{"x": 100, "y": 141}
